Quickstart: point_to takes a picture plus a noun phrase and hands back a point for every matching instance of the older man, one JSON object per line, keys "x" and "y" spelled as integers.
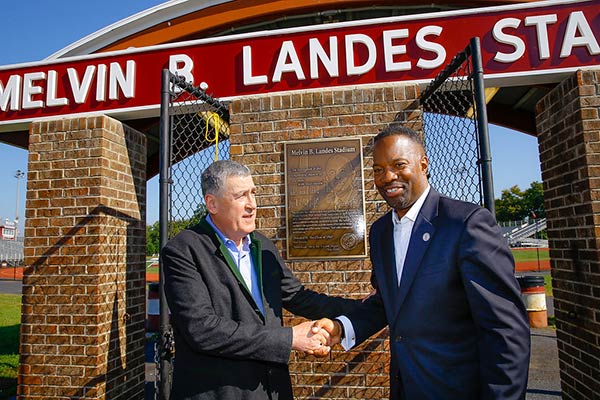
{"x": 226, "y": 285}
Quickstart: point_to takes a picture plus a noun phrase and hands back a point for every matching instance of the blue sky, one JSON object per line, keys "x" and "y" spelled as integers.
{"x": 34, "y": 29}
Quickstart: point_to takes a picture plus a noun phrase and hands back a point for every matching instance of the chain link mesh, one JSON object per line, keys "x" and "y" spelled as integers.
{"x": 450, "y": 132}
{"x": 199, "y": 136}
{"x": 157, "y": 371}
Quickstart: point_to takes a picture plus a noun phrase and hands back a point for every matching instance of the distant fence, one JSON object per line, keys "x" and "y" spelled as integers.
{"x": 524, "y": 233}
{"x": 515, "y": 223}
{"x": 11, "y": 252}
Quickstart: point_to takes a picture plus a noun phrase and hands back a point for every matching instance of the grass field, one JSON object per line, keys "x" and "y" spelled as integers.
{"x": 10, "y": 320}
{"x": 548, "y": 285}
{"x": 521, "y": 255}
{"x": 152, "y": 265}
{"x": 152, "y": 270}
{"x": 530, "y": 254}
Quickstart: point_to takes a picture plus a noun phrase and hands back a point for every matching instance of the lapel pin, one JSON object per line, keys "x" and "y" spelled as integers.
{"x": 426, "y": 236}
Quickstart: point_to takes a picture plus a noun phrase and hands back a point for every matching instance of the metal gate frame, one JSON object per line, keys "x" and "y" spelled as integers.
{"x": 471, "y": 56}
{"x": 193, "y": 108}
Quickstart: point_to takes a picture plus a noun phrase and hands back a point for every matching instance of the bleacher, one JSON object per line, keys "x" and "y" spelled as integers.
{"x": 11, "y": 252}
{"x": 524, "y": 233}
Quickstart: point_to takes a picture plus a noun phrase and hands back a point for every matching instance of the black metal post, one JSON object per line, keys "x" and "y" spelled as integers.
{"x": 482, "y": 127}
{"x": 164, "y": 161}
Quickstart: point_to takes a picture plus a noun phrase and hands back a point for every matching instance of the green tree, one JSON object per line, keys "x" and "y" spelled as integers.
{"x": 533, "y": 199}
{"x": 509, "y": 207}
{"x": 152, "y": 239}
{"x": 153, "y": 231}
{"x": 515, "y": 204}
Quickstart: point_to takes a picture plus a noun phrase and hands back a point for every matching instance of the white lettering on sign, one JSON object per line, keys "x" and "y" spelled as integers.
{"x": 514, "y": 41}
{"x": 101, "y": 83}
{"x": 351, "y": 67}
{"x": 119, "y": 80}
{"x": 28, "y": 92}
{"x": 182, "y": 65}
{"x": 329, "y": 61}
{"x": 11, "y": 93}
{"x": 391, "y": 50}
{"x": 51, "y": 99}
{"x": 30, "y": 89}
{"x": 360, "y": 51}
{"x": 578, "y": 33}
{"x": 250, "y": 79}
{"x": 541, "y": 23}
{"x": 436, "y": 48}
{"x": 288, "y": 51}
{"x": 81, "y": 89}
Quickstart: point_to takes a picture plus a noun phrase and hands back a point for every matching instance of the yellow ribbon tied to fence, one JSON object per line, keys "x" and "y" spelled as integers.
{"x": 221, "y": 127}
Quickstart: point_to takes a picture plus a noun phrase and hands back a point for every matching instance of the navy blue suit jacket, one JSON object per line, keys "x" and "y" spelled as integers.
{"x": 458, "y": 326}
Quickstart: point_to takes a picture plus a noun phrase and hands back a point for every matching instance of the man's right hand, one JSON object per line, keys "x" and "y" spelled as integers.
{"x": 310, "y": 340}
{"x": 334, "y": 328}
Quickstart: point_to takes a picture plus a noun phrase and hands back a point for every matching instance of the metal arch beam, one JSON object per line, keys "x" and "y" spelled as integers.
{"x": 508, "y": 117}
{"x": 179, "y": 20}
{"x": 526, "y": 97}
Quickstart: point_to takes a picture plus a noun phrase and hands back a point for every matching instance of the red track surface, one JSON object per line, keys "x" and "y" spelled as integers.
{"x": 523, "y": 266}
{"x": 526, "y": 266}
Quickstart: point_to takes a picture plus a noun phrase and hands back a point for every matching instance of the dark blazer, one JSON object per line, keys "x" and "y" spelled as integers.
{"x": 458, "y": 327}
{"x": 225, "y": 347}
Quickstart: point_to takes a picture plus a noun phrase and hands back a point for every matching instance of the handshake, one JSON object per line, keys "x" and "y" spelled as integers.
{"x": 316, "y": 337}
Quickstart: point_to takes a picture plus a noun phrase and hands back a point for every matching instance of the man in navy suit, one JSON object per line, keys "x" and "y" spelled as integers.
{"x": 445, "y": 286}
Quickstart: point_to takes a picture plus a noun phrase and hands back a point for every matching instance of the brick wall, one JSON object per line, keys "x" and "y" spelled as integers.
{"x": 259, "y": 127}
{"x": 569, "y": 140}
{"x": 82, "y": 328}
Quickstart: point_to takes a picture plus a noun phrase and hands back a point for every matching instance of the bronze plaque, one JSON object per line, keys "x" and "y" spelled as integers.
{"x": 325, "y": 206}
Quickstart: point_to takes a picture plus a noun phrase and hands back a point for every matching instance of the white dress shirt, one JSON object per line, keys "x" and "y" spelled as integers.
{"x": 402, "y": 233}
{"x": 243, "y": 261}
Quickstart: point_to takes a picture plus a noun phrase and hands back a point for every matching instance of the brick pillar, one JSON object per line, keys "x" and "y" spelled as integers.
{"x": 568, "y": 125}
{"x": 83, "y": 313}
{"x": 259, "y": 127}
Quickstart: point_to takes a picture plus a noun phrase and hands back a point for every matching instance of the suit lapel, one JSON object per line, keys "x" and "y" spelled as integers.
{"x": 223, "y": 251}
{"x": 231, "y": 264}
{"x": 421, "y": 236}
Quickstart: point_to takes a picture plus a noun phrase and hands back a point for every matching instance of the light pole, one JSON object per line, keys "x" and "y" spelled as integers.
{"x": 19, "y": 174}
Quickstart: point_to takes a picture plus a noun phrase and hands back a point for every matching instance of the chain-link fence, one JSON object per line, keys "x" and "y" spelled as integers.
{"x": 194, "y": 133}
{"x": 452, "y": 130}
{"x": 199, "y": 128}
